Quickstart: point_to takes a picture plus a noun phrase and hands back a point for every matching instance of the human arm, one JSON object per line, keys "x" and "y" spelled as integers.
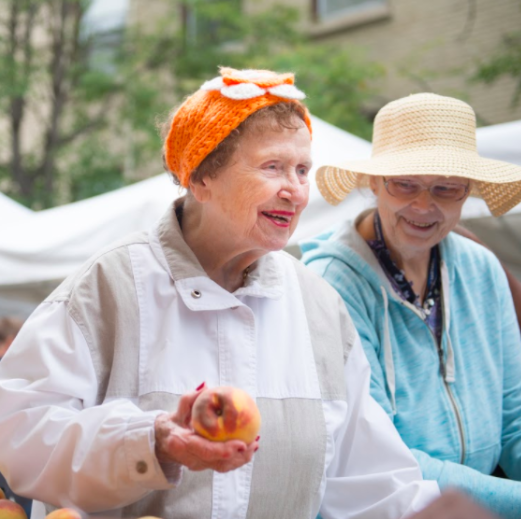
{"x": 58, "y": 446}
{"x": 501, "y": 495}
{"x": 177, "y": 443}
{"x": 453, "y": 505}
{"x": 370, "y": 460}
{"x": 513, "y": 282}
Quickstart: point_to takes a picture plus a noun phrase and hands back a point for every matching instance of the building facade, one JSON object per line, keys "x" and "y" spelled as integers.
{"x": 423, "y": 45}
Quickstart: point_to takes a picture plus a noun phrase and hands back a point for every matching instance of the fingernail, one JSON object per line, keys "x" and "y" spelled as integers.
{"x": 257, "y": 439}
{"x": 198, "y": 388}
{"x": 241, "y": 449}
{"x": 256, "y": 449}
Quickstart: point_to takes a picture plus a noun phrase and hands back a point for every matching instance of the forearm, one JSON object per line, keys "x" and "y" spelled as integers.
{"x": 94, "y": 459}
{"x": 74, "y": 452}
{"x": 502, "y": 496}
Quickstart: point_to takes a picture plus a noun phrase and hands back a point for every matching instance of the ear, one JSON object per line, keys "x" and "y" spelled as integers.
{"x": 373, "y": 184}
{"x": 200, "y": 190}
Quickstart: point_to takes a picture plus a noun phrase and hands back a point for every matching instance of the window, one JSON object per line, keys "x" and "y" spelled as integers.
{"x": 330, "y": 16}
{"x": 210, "y": 22}
{"x": 330, "y": 9}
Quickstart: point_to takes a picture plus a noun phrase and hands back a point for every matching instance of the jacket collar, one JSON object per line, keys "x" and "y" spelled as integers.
{"x": 264, "y": 280}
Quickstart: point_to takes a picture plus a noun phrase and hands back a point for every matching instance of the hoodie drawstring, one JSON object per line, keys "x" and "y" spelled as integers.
{"x": 388, "y": 353}
{"x": 450, "y": 367}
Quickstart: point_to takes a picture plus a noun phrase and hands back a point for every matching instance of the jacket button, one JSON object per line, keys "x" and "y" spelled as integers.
{"x": 196, "y": 294}
{"x": 141, "y": 467}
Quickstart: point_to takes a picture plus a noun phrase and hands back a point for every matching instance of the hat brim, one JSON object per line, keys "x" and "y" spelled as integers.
{"x": 497, "y": 182}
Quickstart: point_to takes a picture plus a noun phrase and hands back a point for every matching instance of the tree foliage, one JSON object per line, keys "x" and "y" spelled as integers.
{"x": 80, "y": 108}
{"x": 506, "y": 62}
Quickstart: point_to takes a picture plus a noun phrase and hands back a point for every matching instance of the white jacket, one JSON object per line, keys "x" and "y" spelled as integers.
{"x": 140, "y": 325}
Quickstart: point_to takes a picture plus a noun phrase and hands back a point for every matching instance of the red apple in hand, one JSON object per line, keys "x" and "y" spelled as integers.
{"x": 226, "y": 413}
{"x": 11, "y": 510}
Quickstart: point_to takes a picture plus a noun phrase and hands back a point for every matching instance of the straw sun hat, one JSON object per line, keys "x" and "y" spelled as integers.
{"x": 426, "y": 134}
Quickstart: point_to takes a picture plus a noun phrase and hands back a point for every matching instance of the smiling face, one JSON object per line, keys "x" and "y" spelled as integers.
{"x": 414, "y": 226}
{"x": 255, "y": 201}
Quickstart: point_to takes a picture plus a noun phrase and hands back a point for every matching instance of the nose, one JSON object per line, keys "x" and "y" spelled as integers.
{"x": 423, "y": 201}
{"x": 294, "y": 190}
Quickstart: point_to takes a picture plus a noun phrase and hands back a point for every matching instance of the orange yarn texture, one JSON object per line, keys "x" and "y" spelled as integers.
{"x": 207, "y": 117}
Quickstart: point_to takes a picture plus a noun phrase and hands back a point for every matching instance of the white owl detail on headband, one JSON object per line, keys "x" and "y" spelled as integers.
{"x": 248, "y": 84}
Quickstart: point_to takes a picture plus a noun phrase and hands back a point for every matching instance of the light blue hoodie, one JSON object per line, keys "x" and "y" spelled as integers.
{"x": 462, "y": 424}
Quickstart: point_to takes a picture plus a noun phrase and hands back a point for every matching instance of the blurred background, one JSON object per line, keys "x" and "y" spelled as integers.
{"x": 84, "y": 85}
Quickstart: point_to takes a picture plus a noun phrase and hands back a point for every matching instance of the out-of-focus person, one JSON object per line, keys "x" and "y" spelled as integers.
{"x": 434, "y": 309}
{"x": 9, "y": 327}
{"x": 99, "y": 418}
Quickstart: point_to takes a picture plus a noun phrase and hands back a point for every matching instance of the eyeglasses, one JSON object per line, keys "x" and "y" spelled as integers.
{"x": 407, "y": 189}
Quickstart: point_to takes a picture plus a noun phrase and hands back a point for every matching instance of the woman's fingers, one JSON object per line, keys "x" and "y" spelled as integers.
{"x": 183, "y": 414}
{"x": 181, "y": 445}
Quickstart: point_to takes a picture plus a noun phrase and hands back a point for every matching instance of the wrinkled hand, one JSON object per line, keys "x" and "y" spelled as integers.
{"x": 453, "y": 505}
{"x": 177, "y": 442}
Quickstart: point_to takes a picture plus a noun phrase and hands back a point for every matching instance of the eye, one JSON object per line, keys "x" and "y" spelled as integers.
{"x": 272, "y": 166}
{"x": 302, "y": 170}
{"x": 405, "y": 185}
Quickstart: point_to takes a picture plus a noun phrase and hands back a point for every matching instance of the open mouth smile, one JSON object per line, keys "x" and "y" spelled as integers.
{"x": 279, "y": 218}
{"x": 420, "y": 225}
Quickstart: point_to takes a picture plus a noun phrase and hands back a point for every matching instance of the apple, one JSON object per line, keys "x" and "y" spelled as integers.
{"x": 11, "y": 510}
{"x": 64, "y": 513}
{"x": 226, "y": 413}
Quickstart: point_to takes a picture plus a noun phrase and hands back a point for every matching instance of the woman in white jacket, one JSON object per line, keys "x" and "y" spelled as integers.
{"x": 96, "y": 392}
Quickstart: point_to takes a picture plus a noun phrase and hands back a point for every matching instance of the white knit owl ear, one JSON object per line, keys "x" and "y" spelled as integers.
{"x": 243, "y": 91}
{"x": 213, "y": 84}
{"x": 287, "y": 91}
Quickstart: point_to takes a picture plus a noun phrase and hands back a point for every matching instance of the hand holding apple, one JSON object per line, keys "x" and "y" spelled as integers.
{"x": 226, "y": 413}
{"x": 177, "y": 442}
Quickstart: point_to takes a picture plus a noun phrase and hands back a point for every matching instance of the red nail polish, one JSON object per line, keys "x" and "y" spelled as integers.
{"x": 256, "y": 449}
{"x": 198, "y": 388}
{"x": 257, "y": 439}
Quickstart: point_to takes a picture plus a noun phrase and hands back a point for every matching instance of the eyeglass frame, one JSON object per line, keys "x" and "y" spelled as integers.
{"x": 426, "y": 188}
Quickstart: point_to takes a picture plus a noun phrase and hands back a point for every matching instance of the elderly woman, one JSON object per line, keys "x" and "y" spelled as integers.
{"x": 433, "y": 309}
{"x": 96, "y": 393}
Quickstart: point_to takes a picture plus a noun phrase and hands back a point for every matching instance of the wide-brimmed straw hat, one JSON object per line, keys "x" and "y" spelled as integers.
{"x": 426, "y": 134}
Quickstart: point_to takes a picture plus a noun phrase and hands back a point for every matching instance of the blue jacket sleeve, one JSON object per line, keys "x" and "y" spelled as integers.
{"x": 500, "y": 495}
{"x": 510, "y": 460}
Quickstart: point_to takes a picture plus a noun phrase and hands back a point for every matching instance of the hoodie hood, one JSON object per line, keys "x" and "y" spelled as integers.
{"x": 347, "y": 245}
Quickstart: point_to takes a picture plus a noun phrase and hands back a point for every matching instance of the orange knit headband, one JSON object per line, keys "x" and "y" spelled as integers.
{"x": 207, "y": 117}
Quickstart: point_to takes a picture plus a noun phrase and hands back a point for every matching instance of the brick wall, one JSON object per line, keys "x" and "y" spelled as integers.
{"x": 429, "y": 46}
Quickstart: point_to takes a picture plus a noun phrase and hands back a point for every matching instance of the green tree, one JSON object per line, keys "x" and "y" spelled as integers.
{"x": 506, "y": 62}
{"x": 81, "y": 107}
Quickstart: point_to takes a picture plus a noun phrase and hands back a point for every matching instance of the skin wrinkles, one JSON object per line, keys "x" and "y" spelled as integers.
{"x": 226, "y": 225}
{"x": 410, "y": 245}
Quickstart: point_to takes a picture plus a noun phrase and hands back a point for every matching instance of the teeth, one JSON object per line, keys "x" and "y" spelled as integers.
{"x": 276, "y": 216}
{"x": 418, "y": 224}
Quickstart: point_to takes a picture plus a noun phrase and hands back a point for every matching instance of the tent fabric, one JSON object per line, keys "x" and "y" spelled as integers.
{"x": 39, "y": 249}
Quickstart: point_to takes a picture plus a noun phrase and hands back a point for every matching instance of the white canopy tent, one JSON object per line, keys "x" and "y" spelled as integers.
{"x": 38, "y": 250}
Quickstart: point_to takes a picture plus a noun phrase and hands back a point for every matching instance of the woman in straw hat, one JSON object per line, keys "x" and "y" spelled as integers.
{"x": 99, "y": 418}
{"x": 433, "y": 309}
